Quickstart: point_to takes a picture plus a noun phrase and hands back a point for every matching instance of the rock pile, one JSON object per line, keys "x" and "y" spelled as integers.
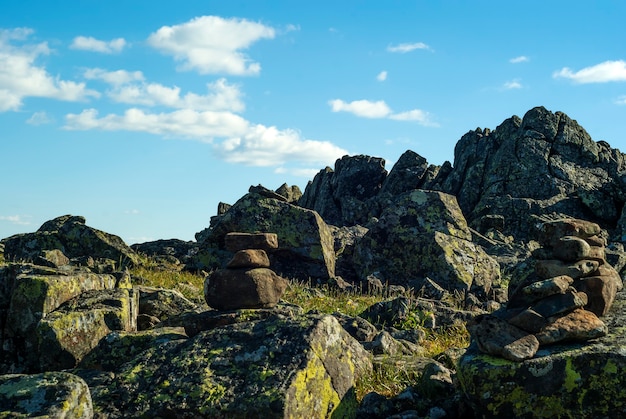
{"x": 562, "y": 299}
{"x": 247, "y": 282}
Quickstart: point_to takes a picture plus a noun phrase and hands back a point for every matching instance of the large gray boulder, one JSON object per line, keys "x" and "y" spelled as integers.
{"x": 303, "y": 366}
{"x": 424, "y": 234}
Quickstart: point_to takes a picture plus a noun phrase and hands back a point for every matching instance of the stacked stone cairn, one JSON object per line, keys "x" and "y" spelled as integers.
{"x": 247, "y": 282}
{"x": 561, "y": 300}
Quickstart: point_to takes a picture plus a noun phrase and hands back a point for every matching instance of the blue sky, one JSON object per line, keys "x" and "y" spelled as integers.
{"x": 143, "y": 115}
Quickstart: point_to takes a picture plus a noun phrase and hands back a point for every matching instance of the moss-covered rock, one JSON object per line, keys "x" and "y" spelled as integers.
{"x": 306, "y": 246}
{"x": 581, "y": 380}
{"x": 66, "y": 335}
{"x": 50, "y": 395}
{"x": 424, "y": 234}
{"x": 304, "y": 366}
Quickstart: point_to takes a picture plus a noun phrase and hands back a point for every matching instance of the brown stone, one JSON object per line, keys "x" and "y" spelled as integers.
{"x": 529, "y": 320}
{"x": 601, "y": 292}
{"x": 596, "y": 240}
{"x": 551, "y": 232}
{"x": 232, "y": 289}
{"x": 541, "y": 289}
{"x": 249, "y": 258}
{"x": 578, "y": 325}
{"x": 550, "y": 268}
{"x": 560, "y": 303}
{"x": 497, "y": 337}
{"x": 571, "y": 249}
{"x": 235, "y": 242}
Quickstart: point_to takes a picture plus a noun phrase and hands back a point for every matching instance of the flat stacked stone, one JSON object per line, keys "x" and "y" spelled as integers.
{"x": 572, "y": 286}
{"x": 247, "y": 282}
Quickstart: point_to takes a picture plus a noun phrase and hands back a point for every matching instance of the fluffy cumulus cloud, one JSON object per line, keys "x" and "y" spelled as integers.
{"x": 407, "y": 47}
{"x": 605, "y": 72}
{"x": 212, "y": 45}
{"x": 88, "y": 43}
{"x": 379, "y": 109}
{"x": 22, "y": 77}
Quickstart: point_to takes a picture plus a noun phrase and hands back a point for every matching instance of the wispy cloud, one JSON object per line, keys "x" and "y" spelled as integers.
{"x": 520, "y": 59}
{"x": 39, "y": 118}
{"x": 621, "y": 100}
{"x": 16, "y": 219}
{"x": 22, "y": 77}
{"x": 379, "y": 109}
{"x": 607, "y": 71}
{"x": 406, "y": 47}
{"x": 131, "y": 88}
{"x": 382, "y": 76}
{"x": 212, "y": 45}
{"x": 512, "y": 84}
{"x": 88, "y": 43}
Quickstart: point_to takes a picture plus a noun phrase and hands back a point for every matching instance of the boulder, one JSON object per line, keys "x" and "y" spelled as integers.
{"x": 305, "y": 366}
{"x": 234, "y": 241}
{"x": 305, "y": 241}
{"x": 582, "y": 380}
{"x": 50, "y": 394}
{"x": 70, "y": 235}
{"x": 181, "y": 250}
{"x": 72, "y": 331}
{"x": 163, "y": 303}
{"x": 424, "y": 234}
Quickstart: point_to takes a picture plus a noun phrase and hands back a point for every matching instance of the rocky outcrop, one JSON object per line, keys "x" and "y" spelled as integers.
{"x": 582, "y": 380}
{"x": 424, "y": 234}
{"x": 71, "y": 236}
{"x": 306, "y": 244}
{"x": 170, "y": 250}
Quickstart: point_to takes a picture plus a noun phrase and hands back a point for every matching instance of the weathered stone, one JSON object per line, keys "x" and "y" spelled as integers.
{"x": 529, "y": 320}
{"x": 601, "y": 291}
{"x": 580, "y": 379}
{"x": 385, "y": 344}
{"x": 231, "y": 289}
{"x": 279, "y": 367}
{"x": 306, "y": 246}
{"x": 53, "y": 258}
{"x": 541, "y": 289}
{"x": 291, "y": 193}
{"x": 249, "y": 258}
{"x": 357, "y": 327}
{"x": 163, "y": 303}
{"x": 66, "y": 335}
{"x": 551, "y": 268}
{"x": 560, "y": 303}
{"x": 571, "y": 249}
{"x": 70, "y": 235}
{"x": 497, "y": 337}
{"x": 179, "y": 249}
{"x": 424, "y": 234}
{"x": 578, "y": 325}
{"x": 46, "y": 395}
{"x": 405, "y": 175}
{"x": 550, "y": 233}
{"x": 234, "y": 242}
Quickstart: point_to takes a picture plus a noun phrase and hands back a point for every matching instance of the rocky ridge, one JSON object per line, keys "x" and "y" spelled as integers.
{"x": 451, "y": 243}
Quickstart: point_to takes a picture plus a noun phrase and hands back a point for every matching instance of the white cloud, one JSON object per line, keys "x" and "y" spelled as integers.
{"x": 520, "y": 59}
{"x": 211, "y": 44}
{"x": 607, "y": 71}
{"x": 115, "y": 78}
{"x": 39, "y": 118}
{"x": 512, "y": 84}
{"x": 362, "y": 108}
{"x": 15, "y": 219}
{"x": 21, "y": 77}
{"x": 234, "y": 139}
{"x": 131, "y": 88}
{"x": 404, "y": 48}
{"x": 379, "y": 110}
{"x": 88, "y": 43}
{"x": 382, "y": 76}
